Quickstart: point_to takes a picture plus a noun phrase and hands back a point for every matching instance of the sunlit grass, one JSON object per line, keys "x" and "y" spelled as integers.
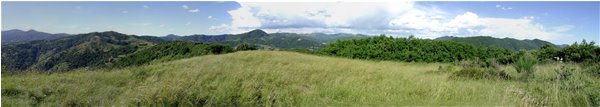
{"x": 267, "y": 78}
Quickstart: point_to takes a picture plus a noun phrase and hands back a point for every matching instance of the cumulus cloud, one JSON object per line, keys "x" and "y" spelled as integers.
{"x": 146, "y": 6}
{"x": 185, "y": 7}
{"x": 209, "y": 17}
{"x": 396, "y": 18}
{"x": 194, "y": 10}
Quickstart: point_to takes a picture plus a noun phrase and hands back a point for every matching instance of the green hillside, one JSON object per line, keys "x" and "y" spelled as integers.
{"x": 508, "y": 43}
{"x": 171, "y": 50}
{"x": 271, "y": 78}
{"x": 77, "y": 51}
{"x": 271, "y": 41}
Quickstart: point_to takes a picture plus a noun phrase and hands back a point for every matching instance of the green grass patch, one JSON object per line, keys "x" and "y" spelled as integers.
{"x": 272, "y": 78}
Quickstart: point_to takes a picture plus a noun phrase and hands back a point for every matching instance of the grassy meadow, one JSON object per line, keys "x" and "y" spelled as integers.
{"x": 277, "y": 78}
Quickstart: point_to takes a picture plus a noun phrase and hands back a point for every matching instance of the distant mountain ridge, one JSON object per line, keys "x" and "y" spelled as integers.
{"x": 268, "y": 41}
{"x": 282, "y": 40}
{"x": 20, "y": 36}
{"x": 508, "y": 43}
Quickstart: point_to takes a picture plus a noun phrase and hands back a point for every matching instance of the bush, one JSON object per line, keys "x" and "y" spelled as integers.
{"x": 219, "y": 49}
{"x": 245, "y": 47}
{"x": 525, "y": 64}
{"x": 477, "y": 69}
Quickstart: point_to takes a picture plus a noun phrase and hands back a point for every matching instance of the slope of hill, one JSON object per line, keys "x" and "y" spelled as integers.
{"x": 171, "y": 50}
{"x": 82, "y": 50}
{"x": 509, "y": 43}
{"x": 271, "y": 78}
{"x": 19, "y": 36}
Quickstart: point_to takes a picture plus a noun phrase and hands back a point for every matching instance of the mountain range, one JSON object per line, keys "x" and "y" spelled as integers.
{"x": 268, "y": 41}
{"x": 20, "y": 36}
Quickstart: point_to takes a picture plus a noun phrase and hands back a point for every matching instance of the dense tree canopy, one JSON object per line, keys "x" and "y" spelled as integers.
{"x": 410, "y": 49}
{"x": 577, "y": 52}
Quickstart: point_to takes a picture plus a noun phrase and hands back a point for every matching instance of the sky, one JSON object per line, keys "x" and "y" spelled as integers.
{"x": 557, "y": 22}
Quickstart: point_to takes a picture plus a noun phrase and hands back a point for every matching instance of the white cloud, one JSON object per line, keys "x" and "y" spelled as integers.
{"x": 146, "y": 6}
{"x": 298, "y": 15}
{"x": 398, "y": 18}
{"x": 188, "y": 23}
{"x": 194, "y": 10}
{"x": 210, "y": 17}
{"x": 515, "y": 28}
{"x": 223, "y": 28}
{"x": 503, "y": 7}
{"x": 528, "y": 17}
{"x": 506, "y": 8}
{"x": 563, "y": 28}
{"x": 161, "y": 25}
{"x": 185, "y": 7}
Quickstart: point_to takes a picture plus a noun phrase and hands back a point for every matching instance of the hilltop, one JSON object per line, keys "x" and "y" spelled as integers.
{"x": 272, "y": 78}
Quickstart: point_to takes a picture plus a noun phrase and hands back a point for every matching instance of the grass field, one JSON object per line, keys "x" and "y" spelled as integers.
{"x": 275, "y": 78}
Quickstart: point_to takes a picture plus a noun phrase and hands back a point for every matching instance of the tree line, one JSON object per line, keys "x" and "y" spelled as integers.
{"x": 413, "y": 49}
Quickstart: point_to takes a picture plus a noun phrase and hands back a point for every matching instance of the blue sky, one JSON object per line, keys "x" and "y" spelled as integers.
{"x": 558, "y": 22}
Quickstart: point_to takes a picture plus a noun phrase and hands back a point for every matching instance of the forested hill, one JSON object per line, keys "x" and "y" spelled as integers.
{"x": 82, "y": 50}
{"x": 269, "y": 41}
{"x": 508, "y": 43}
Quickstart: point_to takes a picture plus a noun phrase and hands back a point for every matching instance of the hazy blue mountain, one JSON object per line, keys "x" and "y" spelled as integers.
{"x": 20, "y": 36}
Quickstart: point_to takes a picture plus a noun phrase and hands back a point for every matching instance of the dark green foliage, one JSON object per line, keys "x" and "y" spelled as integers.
{"x": 584, "y": 52}
{"x": 508, "y": 43}
{"x": 173, "y": 50}
{"x": 219, "y": 49}
{"x": 84, "y": 50}
{"x": 410, "y": 49}
{"x": 245, "y": 47}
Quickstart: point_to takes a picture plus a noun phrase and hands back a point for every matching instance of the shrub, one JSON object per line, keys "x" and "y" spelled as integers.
{"x": 219, "y": 49}
{"x": 525, "y": 64}
{"x": 245, "y": 47}
{"x": 477, "y": 69}
{"x": 594, "y": 69}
